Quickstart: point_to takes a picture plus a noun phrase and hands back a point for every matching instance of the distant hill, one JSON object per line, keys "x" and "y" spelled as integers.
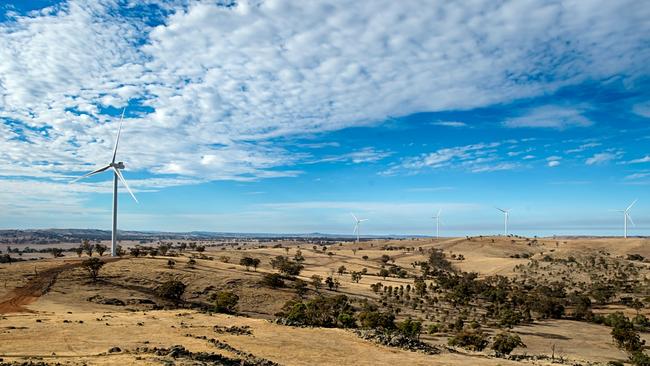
{"x": 48, "y": 236}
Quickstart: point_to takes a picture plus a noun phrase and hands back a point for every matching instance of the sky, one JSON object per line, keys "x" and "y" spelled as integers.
{"x": 286, "y": 117}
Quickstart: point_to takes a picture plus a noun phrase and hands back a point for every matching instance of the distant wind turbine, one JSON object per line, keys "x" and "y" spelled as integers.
{"x": 115, "y": 167}
{"x": 506, "y": 213}
{"x": 437, "y": 218}
{"x": 357, "y": 225}
{"x": 626, "y": 216}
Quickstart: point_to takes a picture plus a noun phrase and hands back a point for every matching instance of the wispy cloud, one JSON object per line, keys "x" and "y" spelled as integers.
{"x": 645, "y": 159}
{"x": 557, "y": 117}
{"x": 450, "y": 124}
{"x": 602, "y": 158}
{"x": 642, "y": 109}
{"x": 365, "y": 155}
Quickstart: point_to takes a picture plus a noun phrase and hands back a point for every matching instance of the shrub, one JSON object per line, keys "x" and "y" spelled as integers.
{"x": 225, "y": 302}
{"x": 373, "y": 319}
{"x": 504, "y": 343}
{"x": 301, "y": 287}
{"x": 272, "y": 280}
{"x": 171, "y": 290}
{"x": 473, "y": 340}
{"x": 191, "y": 263}
{"x": 93, "y": 265}
{"x": 171, "y": 263}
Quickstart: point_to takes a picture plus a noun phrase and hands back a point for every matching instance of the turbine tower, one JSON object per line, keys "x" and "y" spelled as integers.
{"x": 357, "y": 224}
{"x": 437, "y": 218}
{"x": 506, "y": 213}
{"x": 117, "y": 175}
{"x": 626, "y": 216}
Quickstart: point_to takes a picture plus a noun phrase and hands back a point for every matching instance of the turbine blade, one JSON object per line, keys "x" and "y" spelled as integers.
{"x": 356, "y": 228}
{"x": 631, "y": 204}
{"x": 362, "y": 220}
{"x": 117, "y": 140}
{"x": 119, "y": 175}
{"x": 91, "y": 173}
{"x": 355, "y": 218}
{"x": 500, "y": 209}
{"x": 439, "y": 212}
{"x": 630, "y": 218}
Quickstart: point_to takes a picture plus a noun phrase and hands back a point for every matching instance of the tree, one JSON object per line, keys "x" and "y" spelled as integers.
{"x": 93, "y": 265}
{"x": 301, "y": 287}
{"x": 225, "y": 302}
{"x": 163, "y": 249}
{"x": 171, "y": 290}
{"x": 410, "y": 328}
{"x": 329, "y": 281}
{"x": 56, "y": 252}
{"x": 384, "y": 258}
{"x": 298, "y": 257}
{"x": 504, "y": 343}
{"x": 473, "y": 340}
{"x": 120, "y": 251}
{"x": 182, "y": 247}
{"x": 87, "y": 247}
{"x": 171, "y": 263}
{"x": 246, "y": 262}
{"x": 135, "y": 251}
{"x": 341, "y": 270}
{"x": 356, "y": 276}
{"x": 100, "y": 249}
{"x": 317, "y": 282}
{"x": 383, "y": 273}
{"x": 191, "y": 263}
{"x": 273, "y": 280}
{"x": 79, "y": 250}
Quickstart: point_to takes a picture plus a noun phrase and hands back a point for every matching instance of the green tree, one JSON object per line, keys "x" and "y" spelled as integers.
{"x": 504, "y": 343}
{"x": 171, "y": 290}
{"x": 225, "y": 302}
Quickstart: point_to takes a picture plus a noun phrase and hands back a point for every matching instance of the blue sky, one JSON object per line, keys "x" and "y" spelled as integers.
{"x": 277, "y": 116}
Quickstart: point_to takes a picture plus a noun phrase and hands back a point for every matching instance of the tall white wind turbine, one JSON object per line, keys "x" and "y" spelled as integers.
{"x": 626, "y": 217}
{"x": 357, "y": 225}
{"x": 506, "y": 213}
{"x": 117, "y": 175}
{"x": 437, "y": 218}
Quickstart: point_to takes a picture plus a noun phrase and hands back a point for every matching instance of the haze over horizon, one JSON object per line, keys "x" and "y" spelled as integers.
{"x": 285, "y": 117}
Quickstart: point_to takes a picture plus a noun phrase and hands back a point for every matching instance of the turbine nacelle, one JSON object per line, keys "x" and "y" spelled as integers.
{"x": 119, "y": 165}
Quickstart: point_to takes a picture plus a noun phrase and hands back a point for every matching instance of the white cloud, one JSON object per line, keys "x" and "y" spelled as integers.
{"x": 550, "y": 117}
{"x": 645, "y": 159}
{"x": 450, "y": 124}
{"x": 475, "y": 158}
{"x": 637, "y": 176}
{"x": 601, "y": 158}
{"x": 553, "y": 163}
{"x": 584, "y": 147}
{"x": 642, "y": 109}
{"x": 365, "y": 155}
{"x": 224, "y": 81}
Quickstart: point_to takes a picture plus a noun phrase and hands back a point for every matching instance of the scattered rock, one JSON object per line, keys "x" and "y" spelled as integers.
{"x": 114, "y": 350}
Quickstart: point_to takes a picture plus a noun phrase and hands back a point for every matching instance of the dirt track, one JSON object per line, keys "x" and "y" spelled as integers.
{"x": 15, "y": 301}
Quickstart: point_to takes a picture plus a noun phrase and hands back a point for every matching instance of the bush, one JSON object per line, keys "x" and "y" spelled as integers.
{"x": 171, "y": 263}
{"x": 410, "y": 328}
{"x": 473, "y": 340}
{"x": 504, "y": 343}
{"x": 100, "y": 249}
{"x": 372, "y": 319}
{"x": 328, "y": 312}
{"x": 272, "y": 280}
{"x": 171, "y": 290}
{"x": 93, "y": 265}
{"x": 249, "y": 262}
{"x": 225, "y": 302}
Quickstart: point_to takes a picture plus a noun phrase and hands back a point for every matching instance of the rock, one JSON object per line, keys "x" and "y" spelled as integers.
{"x": 114, "y": 350}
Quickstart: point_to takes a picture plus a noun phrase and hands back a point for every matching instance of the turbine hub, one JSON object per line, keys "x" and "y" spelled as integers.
{"x": 119, "y": 165}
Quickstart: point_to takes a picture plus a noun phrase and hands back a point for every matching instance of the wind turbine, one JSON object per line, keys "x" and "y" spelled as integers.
{"x": 437, "y": 218}
{"x": 626, "y": 216}
{"x": 506, "y": 213}
{"x": 115, "y": 167}
{"x": 357, "y": 224}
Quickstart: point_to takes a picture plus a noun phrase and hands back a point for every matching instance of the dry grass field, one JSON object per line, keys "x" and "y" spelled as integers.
{"x": 51, "y": 312}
